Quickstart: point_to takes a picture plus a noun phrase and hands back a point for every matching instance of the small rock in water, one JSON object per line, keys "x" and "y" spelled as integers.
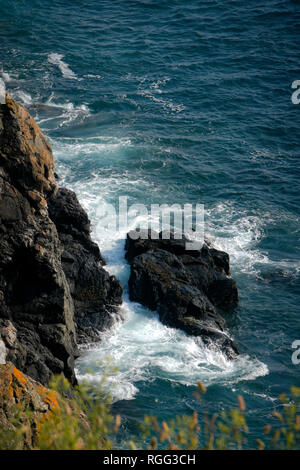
{"x": 185, "y": 287}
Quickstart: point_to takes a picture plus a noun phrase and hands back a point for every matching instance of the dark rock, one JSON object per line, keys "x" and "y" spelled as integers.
{"x": 34, "y": 293}
{"x": 184, "y": 287}
{"x": 95, "y": 293}
{"x": 209, "y": 267}
{"x": 39, "y": 270}
{"x": 152, "y": 240}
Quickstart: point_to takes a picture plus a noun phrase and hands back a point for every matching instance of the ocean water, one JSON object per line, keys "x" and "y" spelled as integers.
{"x": 167, "y": 101}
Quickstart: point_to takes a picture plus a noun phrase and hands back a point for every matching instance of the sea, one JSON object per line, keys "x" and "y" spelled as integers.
{"x": 170, "y": 101}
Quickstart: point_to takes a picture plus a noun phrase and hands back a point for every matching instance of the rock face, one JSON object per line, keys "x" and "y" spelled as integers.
{"x": 184, "y": 287}
{"x": 95, "y": 293}
{"x": 34, "y": 293}
{"x": 42, "y": 266}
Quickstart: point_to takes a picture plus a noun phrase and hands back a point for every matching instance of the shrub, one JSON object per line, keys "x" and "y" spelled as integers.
{"x": 82, "y": 419}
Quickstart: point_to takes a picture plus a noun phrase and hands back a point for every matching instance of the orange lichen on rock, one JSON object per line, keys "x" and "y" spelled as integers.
{"x": 22, "y": 396}
{"x": 49, "y": 396}
{"x": 28, "y": 152}
{"x": 19, "y": 375}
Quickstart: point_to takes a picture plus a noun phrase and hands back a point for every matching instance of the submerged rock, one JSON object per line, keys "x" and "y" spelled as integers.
{"x": 44, "y": 267}
{"x": 184, "y": 287}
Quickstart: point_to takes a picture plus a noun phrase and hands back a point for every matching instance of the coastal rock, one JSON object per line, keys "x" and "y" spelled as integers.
{"x": 34, "y": 294}
{"x": 25, "y": 153}
{"x": 184, "y": 287}
{"x": 95, "y": 293}
{"x": 43, "y": 265}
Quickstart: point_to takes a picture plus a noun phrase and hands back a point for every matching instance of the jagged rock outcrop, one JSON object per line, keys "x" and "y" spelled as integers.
{"x": 185, "y": 287}
{"x": 37, "y": 323}
{"x": 95, "y": 293}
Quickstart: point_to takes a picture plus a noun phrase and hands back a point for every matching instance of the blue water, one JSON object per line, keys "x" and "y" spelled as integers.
{"x": 171, "y": 101}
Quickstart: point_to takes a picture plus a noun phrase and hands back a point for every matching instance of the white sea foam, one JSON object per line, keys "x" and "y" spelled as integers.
{"x": 66, "y": 112}
{"x": 19, "y": 94}
{"x": 165, "y": 103}
{"x": 56, "y": 59}
{"x": 9, "y": 77}
{"x": 239, "y": 234}
{"x": 6, "y": 77}
{"x": 153, "y": 90}
{"x": 141, "y": 346}
{"x": 90, "y": 75}
{"x": 94, "y": 145}
{"x": 23, "y": 96}
{"x": 144, "y": 350}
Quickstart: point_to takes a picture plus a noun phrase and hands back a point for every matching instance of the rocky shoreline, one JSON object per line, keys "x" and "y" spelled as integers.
{"x": 54, "y": 290}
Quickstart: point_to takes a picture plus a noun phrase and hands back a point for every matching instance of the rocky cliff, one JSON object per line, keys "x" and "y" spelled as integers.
{"x": 53, "y": 287}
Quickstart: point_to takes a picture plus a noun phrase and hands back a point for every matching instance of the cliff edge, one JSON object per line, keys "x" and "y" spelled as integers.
{"x": 54, "y": 290}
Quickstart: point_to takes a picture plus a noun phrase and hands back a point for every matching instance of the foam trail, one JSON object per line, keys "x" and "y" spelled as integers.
{"x": 142, "y": 347}
{"x": 9, "y": 77}
{"x": 61, "y": 114}
{"x": 239, "y": 235}
{"x": 153, "y": 89}
{"x": 56, "y": 59}
{"x": 87, "y": 147}
{"x": 145, "y": 350}
{"x": 6, "y": 77}
{"x": 24, "y": 97}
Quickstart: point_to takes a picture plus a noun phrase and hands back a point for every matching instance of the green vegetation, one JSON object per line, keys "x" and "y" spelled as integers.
{"x": 227, "y": 430}
{"x": 81, "y": 418}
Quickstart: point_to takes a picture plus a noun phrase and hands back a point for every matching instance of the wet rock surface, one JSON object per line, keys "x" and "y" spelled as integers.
{"x": 95, "y": 293}
{"x": 187, "y": 288}
{"x": 46, "y": 261}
